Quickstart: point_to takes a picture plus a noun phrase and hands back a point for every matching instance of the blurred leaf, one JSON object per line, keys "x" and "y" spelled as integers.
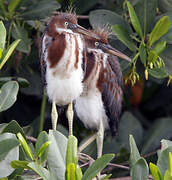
{"x": 8, "y": 95}
{"x": 16, "y": 164}
{"x": 13, "y": 127}
{"x": 71, "y": 171}
{"x": 97, "y": 166}
{"x": 146, "y": 12}
{"x": 40, "y": 10}
{"x": 57, "y": 153}
{"x": 170, "y": 164}
{"x": 21, "y": 81}
{"x": 44, "y": 173}
{"x": 158, "y": 73}
{"x": 154, "y": 135}
{"x": 134, "y": 20}
{"x": 165, "y": 144}
{"x": 159, "y": 30}
{"x": 25, "y": 146}
{"x": 10, "y": 150}
{"x": 143, "y": 53}
{"x": 78, "y": 173}
{"x": 167, "y": 175}
{"x": 140, "y": 170}
{"x": 126, "y": 128}
{"x": 19, "y": 32}
{"x": 106, "y": 177}
{"x": 134, "y": 153}
{"x": 12, "y": 6}
{"x": 8, "y": 52}
{"x": 41, "y": 140}
{"x": 2, "y": 37}
{"x": 162, "y": 162}
{"x": 102, "y": 18}
{"x": 124, "y": 36}
{"x": 156, "y": 174}
{"x": 72, "y": 150}
{"x": 165, "y": 5}
{"x": 159, "y": 47}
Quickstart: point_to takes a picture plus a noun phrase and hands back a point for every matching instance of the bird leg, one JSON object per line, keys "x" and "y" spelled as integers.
{"x": 70, "y": 118}
{"x": 99, "y": 139}
{"x": 54, "y": 116}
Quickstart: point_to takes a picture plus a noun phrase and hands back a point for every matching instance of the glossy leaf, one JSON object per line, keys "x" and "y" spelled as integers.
{"x": 9, "y": 151}
{"x": 8, "y": 95}
{"x": 134, "y": 153}
{"x": 12, "y": 6}
{"x": 140, "y": 170}
{"x": 19, "y": 164}
{"x": 41, "y": 147}
{"x": 2, "y": 37}
{"x": 71, "y": 171}
{"x": 143, "y": 53}
{"x": 72, "y": 150}
{"x": 57, "y": 153}
{"x": 158, "y": 73}
{"x": 78, "y": 173}
{"x": 156, "y": 174}
{"x": 13, "y": 127}
{"x": 19, "y": 32}
{"x": 159, "y": 47}
{"x": 44, "y": 173}
{"x": 40, "y": 10}
{"x": 8, "y": 52}
{"x": 97, "y": 166}
{"x": 159, "y": 30}
{"x": 124, "y": 36}
{"x": 134, "y": 20}
{"x": 25, "y": 146}
{"x": 162, "y": 162}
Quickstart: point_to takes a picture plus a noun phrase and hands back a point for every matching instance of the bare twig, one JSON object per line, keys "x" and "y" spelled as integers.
{"x": 82, "y": 17}
{"x": 118, "y": 166}
{"x": 30, "y": 138}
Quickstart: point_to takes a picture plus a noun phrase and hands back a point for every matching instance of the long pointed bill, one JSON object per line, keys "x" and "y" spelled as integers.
{"x": 79, "y": 29}
{"x": 113, "y": 51}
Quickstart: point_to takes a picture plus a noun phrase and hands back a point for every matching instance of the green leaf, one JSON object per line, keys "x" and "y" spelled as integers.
{"x": 165, "y": 144}
{"x": 143, "y": 53}
{"x": 165, "y": 5}
{"x": 16, "y": 164}
{"x": 134, "y": 153}
{"x": 167, "y": 175}
{"x": 170, "y": 163}
{"x": 13, "y": 127}
{"x": 12, "y": 6}
{"x": 71, "y": 171}
{"x": 25, "y": 146}
{"x": 162, "y": 162}
{"x": 72, "y": 150}
{"x": 23, "y": 83}
{"x": 100, "y": 18}
{"x": 2, "y": 37}
{"x": 57, "y": 153}
{"x": 156, "y": 174}
{"x": 146, "y": 12}
{"x": 8, "y": 95}
{"x": 19, "y": 32}
{"x": 40, "y": 10}
{"x": 134, "y": 20}
{"x": 41, "y": 147}
{"x": 8, "y": 52}
{"x": 140, "y": 170}
{"x": 106, "y": 177}
{"x": 159, "y": 30}
{"x": 9, "y": 151}
{"x": 78, "y": 173}
{"x": 159, "y": 47}
{"x": 154, "y": 135}
{"x": 158, "y": 73}
{"x": 44, "y": 173}
{"x": 97, "y": 166}
{"x": 123, "y": 35}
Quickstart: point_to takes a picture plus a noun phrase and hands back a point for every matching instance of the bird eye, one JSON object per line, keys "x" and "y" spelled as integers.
{"x": 96, "y": 43}
{"x": 66, "y": 23}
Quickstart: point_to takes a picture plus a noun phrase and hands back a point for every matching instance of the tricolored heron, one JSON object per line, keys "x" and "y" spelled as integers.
{"x": 61, "y": 54}
{"x": 100, "y": 104}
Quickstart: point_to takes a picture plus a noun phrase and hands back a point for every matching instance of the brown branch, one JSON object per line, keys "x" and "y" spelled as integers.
{"x": 118, "y": 166}
{"x": 30, "y": 138}
{"x": 82, "y": 17}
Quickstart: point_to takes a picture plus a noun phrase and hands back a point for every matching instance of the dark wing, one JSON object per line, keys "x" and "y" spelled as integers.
{"x": 112, "y": 94}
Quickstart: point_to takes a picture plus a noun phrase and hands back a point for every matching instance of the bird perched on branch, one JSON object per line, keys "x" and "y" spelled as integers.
{"x": 61, "y": 54}
{"x": 100, "y": 104}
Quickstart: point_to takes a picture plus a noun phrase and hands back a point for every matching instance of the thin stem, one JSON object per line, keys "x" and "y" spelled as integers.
{"x": 9, "y": 33}
{"x": 42, "y": 113}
